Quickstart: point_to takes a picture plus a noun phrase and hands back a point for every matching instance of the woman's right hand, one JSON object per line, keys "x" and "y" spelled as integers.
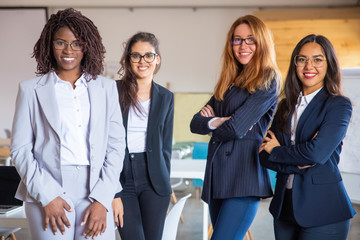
{"x": 55, "y": 215}
{"x": 207, "y": 111}
{"x": 118, "y": 209}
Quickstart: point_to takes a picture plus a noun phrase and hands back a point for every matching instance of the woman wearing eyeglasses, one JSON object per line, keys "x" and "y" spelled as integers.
{"x": 236, "y": 118}
{"x": 68, "y": 140}
{"x": 304, "y": 145}
{"x": 148, "y": 110}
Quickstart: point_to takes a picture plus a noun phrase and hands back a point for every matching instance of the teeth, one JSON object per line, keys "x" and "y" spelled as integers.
{"x": 68, "y": 59}
{"x": 309, "y": 74}
{"x": 243, "y": 54}
{"x": 142, "y": 68}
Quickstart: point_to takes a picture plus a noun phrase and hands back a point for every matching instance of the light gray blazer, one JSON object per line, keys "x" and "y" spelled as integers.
{"x": 35, "y": 147}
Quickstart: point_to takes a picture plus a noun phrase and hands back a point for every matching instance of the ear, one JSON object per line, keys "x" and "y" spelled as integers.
{"x": 158, "y": 59}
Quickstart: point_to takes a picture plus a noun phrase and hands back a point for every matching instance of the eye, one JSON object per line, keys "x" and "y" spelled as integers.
{"x": 318, "y": 59}
{"x": 60, "y": 43}
{"x": 76, "y": 44}
{"x": 236, "y": 41}
{"x": 135, "y": 55}
{"x": 250, "y": 40}
{"x": 149, "y": 55}
{"x": 301, "y": 59}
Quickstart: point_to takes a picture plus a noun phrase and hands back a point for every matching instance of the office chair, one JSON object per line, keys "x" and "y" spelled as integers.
{"x": 172, "y": 219}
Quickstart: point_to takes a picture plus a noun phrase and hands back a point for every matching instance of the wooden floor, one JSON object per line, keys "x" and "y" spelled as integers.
{"x": 191, "y": 229}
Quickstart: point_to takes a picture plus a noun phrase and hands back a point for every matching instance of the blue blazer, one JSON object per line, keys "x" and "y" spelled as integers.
{"x": 233, "y": 168}
{"x": 158, "y": 139}
{"x": 35, "y": 147}
{"x": 319, "y": 196}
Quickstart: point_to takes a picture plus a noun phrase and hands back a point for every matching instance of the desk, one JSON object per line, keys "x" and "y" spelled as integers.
{"x": 192, "y": 169}
{"x": 14, "y": 220}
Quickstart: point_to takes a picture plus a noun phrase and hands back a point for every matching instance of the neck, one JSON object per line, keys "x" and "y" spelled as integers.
{"x": 69, "y": 76}
{"x": 144, "y": 89}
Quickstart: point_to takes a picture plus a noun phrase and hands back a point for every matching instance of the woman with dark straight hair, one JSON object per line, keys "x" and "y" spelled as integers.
{"x": 303, "y": 146}
{"x": 148, "y": 109}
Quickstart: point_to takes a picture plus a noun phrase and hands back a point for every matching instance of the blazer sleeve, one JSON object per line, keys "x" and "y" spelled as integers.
{"x": 330, "y": 135}
{"x": 168, "y": 133}
{"x": 40, "y": 184}
{"x": 108, "y": 183}
{"x": 248, "y": 114}
{"x": 199, "y": 124}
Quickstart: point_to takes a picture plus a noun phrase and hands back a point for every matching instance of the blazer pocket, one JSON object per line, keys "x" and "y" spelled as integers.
{"x": 325, "y": 178}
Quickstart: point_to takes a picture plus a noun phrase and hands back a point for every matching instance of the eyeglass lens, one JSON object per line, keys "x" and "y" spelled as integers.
{"x": 238, "y": 41}
{"x": 61, "y": 45}
{"x": 317, "y": 61}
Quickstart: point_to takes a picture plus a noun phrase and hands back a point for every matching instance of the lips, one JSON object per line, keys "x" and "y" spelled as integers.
{"x": 309, "y": 75}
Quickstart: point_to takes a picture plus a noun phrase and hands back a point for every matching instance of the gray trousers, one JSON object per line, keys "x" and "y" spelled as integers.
{"x": 75, "y": 183}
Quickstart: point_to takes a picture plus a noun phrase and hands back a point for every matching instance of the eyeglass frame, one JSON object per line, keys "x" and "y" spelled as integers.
{"x": 66, "y": 44}
{"x": 310, "y": 59}
{"x": 243, "y": 40}
{"x": 143, "y": 57}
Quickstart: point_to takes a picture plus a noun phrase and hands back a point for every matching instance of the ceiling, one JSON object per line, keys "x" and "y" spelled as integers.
{"x": 180, "y": 3}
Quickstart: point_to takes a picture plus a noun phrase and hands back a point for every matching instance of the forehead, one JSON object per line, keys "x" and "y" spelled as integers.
{"x": 311, "y": 49}
{"x": 142, "y": 47}
{"x": 64, "y": 33}
{"x": 243, "y": 30}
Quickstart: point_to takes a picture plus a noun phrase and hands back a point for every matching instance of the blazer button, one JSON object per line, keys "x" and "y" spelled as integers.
{"x": 149, "y": 150}
{"x": 213, "y": 142}
{"x": 228, "y": 153}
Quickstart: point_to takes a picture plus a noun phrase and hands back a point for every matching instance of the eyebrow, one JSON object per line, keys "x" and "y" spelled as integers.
{"x": 248, "y": 36}
{"x": 317, "y": 55}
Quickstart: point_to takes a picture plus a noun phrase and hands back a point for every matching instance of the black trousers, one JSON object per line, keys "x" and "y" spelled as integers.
{"x": 144, "y": 209}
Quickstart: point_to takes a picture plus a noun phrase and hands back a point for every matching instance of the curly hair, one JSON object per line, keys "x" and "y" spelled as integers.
{"x": 260, "y": 71}
{"x": 128, "y": 94}
{"x": 86, "y": 33}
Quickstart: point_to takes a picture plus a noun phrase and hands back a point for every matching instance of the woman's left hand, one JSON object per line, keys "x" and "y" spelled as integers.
{"x": 268, "y": 143}
{"x": 207, "y": 111}
{"x": 118, "y": 209}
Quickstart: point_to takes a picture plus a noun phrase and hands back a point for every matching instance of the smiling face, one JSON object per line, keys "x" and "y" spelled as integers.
{"x": 144, "y": 70}
{"x": 68, "y": 61}
{"x": 312, "y": 78}
{"x": 243, "y": 52}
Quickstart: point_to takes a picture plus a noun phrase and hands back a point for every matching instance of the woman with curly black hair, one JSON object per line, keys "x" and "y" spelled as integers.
{"x": 68, "y": 138}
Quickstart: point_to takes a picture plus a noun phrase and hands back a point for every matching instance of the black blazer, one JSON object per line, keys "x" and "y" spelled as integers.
{"x": 233, "y": 168}
{"x": 319, "y": 196}
{"x": 158, "y": 139}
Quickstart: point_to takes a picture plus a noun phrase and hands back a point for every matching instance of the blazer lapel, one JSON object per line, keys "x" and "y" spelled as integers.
{"x": 155, "y": 107}
{"x": 97, "y": 102}
{"x": 315, "y": 103}
{"x": 47, "y": 100}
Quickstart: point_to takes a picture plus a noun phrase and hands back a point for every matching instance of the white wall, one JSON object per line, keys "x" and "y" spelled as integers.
{"x": 20, "y": 29}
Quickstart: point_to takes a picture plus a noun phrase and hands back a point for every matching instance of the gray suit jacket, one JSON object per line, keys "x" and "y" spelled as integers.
{"x": 35, "y": 148}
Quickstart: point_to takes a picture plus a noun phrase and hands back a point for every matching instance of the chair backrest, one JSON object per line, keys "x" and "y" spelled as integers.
{"x": 172, "y": 219}
{"x": 200, "y": 150}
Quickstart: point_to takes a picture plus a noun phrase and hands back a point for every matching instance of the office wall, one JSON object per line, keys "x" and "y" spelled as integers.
{"x": 20, "y": 29}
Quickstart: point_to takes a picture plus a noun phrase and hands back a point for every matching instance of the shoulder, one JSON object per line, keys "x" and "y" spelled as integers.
{"x": 340, "y": 101}
{"x": 103, "y": 81}
{"x": 162, "y": 90}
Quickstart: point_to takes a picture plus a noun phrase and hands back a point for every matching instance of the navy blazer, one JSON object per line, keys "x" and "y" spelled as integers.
{"x": 233, "y": 168}
{"x": 319, "y": 196}
{"x": 158, "y": 139}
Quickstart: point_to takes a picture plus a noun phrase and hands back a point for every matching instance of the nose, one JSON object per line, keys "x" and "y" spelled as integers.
{"x": 68, "y": 48}
{"x": 307, "y": 64}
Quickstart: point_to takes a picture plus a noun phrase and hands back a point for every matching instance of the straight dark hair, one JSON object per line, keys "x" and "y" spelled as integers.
{"x": 129, "y": 86}
{"x": 293, "y": 86}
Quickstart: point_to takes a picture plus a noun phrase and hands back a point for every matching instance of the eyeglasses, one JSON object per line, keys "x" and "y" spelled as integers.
{"x": 317, "y": 61}
{"x": 238, "y": 41}
{"x": 61, "y": 45}
{"x": 148, "y": 57}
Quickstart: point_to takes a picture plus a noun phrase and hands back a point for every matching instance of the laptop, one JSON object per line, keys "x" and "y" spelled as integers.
{"x": 9, "y": 181}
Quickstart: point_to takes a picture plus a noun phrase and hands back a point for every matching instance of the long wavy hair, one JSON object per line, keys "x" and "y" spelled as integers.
{"x": 293, "y": 86}
{"x": 86, "y": 33}
{"x": 129, "y": 89}
{"x": 261, "y": 69}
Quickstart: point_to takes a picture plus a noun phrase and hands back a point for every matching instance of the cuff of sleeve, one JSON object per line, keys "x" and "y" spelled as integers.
{"x": 209, "y": 123}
